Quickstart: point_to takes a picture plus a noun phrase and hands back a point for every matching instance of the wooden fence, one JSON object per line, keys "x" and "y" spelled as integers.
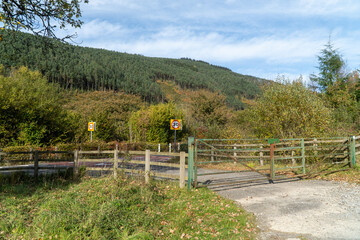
{"x": 107, "y": 161}
{"x": 41, "y": 160}
{"x": 114, "y": 161}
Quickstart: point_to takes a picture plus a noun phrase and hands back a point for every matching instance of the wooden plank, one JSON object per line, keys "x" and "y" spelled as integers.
{"x": 40, "y": 152}
{"x": 154, "y": 153}
{"x": 176, "y": 165}
{"x": 100, "y": 169}
{"x": 97, "y": 152}
{"x": 96, "y": 160}
{"x": 55, "y": 160}
{"x": 55, "y": 167}
{"x": 132, "y": 153}
{"x": 15, "y": 161}
{"x": 19, "y": 167}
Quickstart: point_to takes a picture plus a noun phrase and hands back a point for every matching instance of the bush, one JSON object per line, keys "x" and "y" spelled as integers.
{"x": 289, "y": 109}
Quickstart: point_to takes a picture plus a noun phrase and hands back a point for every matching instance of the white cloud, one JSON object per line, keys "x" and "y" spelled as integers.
{"x": 276, "y": 36}
{"x": 99, "y": 29}
{"x": 177, "y": 42}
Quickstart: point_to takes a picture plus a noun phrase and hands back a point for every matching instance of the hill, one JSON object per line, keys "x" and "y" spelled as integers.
{"x": 84, "y": 68}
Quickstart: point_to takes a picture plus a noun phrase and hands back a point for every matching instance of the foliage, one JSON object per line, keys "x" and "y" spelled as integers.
{"x": 39, "y": 17}
{"x": 153, "y": 123}
{"x": 29, "y": 110}
{"x": 331, "y": 67}
{"x": 118, "y": 209}
{"x": 110, "y": 110}
{"x": 207, "y": 114}
{"x": 289, "y": 110}
{"x": 82, "y": 68}
{"x": 340, "y": 90}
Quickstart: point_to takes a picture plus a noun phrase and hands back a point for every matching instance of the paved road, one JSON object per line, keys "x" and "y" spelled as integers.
{"x": 294, "y": 209}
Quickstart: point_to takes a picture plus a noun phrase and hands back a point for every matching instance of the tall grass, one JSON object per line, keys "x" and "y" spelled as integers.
{"x": 120, "y": 208}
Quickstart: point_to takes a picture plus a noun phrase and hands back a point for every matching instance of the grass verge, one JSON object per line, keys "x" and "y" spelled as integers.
{"x": 120, "y": 208}
{"x": 351, "y": 175}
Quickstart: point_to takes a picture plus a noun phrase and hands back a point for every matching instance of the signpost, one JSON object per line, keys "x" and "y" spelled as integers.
{"x": 175, "y": 124}
{"x": 91, "y": 128}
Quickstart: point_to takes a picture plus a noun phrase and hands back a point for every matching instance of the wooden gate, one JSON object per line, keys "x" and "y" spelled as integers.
{"x": 234, "y": 161}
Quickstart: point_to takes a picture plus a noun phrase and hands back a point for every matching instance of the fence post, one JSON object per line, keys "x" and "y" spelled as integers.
{"x": 56, "y": 154}
{"x": 169, "y": 147}
{"x": 212, "y": 154}
{"x": 352, "y": 152}
{"x": 315, "y": 147}
{"x": 76, "y": 164}
{"x": 36, "y": 165}
{"x": 190, "y": 161}
{"x": 31, "y": 154}
{"x": 293, "y": 161}
{"x": 147, "y": 166}
{"x": 178, "y": 145}
{"x": 261, "y": 156}
{"x": 303, "y": 156}
{"x": 159, "y": 147}
{"x": 182, "y": 169}
{"x": 235, "y": 154}
{"x": 116, "y": 160}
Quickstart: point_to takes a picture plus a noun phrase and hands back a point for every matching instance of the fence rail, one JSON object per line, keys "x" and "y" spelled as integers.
{"x": 77, "y": 159}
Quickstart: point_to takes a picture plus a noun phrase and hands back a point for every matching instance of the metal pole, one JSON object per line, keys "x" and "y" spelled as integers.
{"x": 90, "y": 136}
{"x": 190, "y": 161}
{"x": 272, "y": 162}
{"x": 303, "y": 155}
{"x": 175, "y": 143}
{"x": 352, "y": 152}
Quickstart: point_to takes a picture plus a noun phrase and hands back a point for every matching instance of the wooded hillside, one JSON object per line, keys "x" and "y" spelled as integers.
{"x": 75, "y": 67}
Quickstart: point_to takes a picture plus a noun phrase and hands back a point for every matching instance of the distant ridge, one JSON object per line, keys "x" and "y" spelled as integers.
{"x": 84, "y": 68}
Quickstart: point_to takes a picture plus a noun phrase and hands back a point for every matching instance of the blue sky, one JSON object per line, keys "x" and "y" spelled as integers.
{"x": 259, "y": 38}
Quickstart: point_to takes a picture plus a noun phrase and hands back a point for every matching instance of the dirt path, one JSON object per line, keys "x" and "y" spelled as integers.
{"x": 305, "y": 209}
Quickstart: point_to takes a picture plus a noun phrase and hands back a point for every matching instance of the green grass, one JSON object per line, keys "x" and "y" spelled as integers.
{"x": 351, "y": 175}
{"x": 118, "y": 209}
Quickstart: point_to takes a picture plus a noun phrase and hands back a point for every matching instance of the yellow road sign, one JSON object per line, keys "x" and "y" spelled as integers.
{"x": 91, "y": 126}
{"x": 175, "y": 124}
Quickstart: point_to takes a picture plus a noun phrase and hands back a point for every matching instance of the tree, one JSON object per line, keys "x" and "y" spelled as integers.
{"x": 331, "y": 68}
{"x": 30, "y": 111}
{"x": 40, "y": 17}
{"x": 208, "y": 113}
{"x": 153, "y": 123}
{"x": 289, "y": 109}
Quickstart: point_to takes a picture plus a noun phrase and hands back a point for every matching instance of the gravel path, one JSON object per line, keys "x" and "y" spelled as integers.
{"x": 307, "y": 209}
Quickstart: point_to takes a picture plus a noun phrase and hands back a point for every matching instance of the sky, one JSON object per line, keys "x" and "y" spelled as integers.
{"x": 255, "y": 37}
